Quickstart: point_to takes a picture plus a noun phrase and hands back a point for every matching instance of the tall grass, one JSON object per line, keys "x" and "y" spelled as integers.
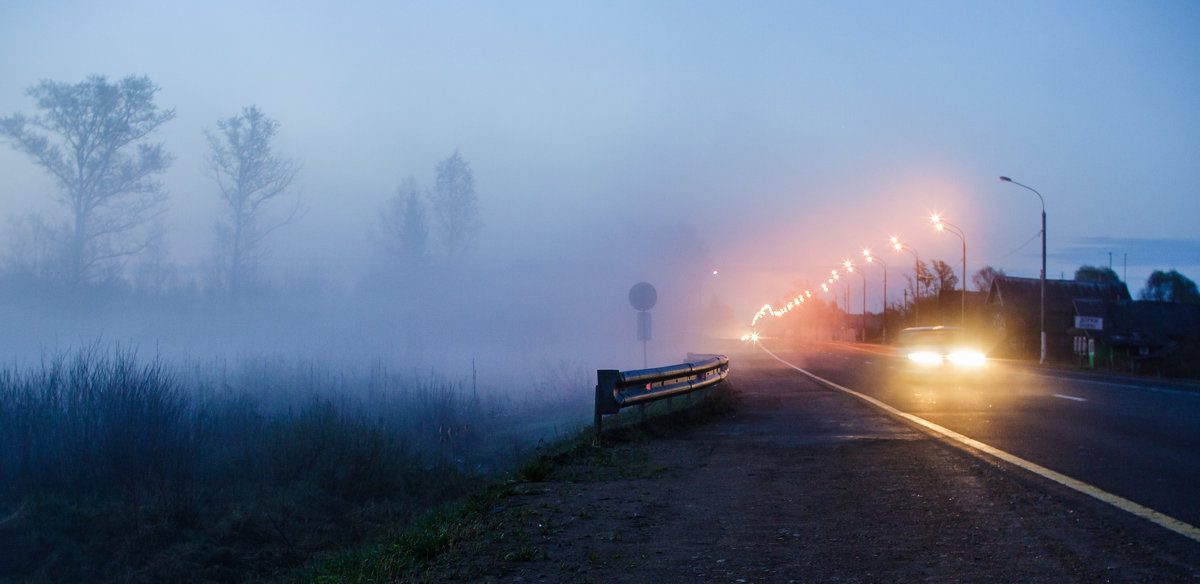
{"x": 114, "y": 469}
{"x": 93, "y": 424}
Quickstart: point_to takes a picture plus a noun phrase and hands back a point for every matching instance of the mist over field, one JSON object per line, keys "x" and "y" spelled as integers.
{"x": 509, "y": 317}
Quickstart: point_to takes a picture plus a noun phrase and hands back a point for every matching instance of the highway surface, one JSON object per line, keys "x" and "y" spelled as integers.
{"x": 1135, "y": 438}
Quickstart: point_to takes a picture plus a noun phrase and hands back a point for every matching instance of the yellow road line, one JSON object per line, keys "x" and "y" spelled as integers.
{"x": 1183, "y": 528}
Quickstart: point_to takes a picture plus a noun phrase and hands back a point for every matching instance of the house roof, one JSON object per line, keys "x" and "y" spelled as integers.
{"x": 1091, "y": 307}
{"x": 1025, "y": 293}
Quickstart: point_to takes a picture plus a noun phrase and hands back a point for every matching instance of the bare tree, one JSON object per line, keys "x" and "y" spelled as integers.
{"x": 456, "y": 205}
{"x": 91, "y": 137}
{"x": 923, "y": 283}
{"x": 944, "y": 278}
{"x": 984, "y": 277}
{"x": 404, "y": 224}
{"x": 249, "y": 177}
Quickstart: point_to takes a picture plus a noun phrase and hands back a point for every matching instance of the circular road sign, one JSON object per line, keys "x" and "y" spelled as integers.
{"x": 643, "y": 296}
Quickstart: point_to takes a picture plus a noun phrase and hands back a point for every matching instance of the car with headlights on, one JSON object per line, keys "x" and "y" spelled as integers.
{"x": 939, "y": 350}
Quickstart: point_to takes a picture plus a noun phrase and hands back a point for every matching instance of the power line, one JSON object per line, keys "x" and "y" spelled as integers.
{"x": 1014, "y": 251}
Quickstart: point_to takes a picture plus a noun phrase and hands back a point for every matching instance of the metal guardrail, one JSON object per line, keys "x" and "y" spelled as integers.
{"x": 619, "y": 389}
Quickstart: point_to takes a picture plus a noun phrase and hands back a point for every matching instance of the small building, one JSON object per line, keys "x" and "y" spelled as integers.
{"x": 1138, "y": 336}
{"x": 1013, "y": 306}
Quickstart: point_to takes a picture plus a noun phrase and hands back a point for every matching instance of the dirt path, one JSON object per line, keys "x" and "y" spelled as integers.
{"x": 804, "y": 484}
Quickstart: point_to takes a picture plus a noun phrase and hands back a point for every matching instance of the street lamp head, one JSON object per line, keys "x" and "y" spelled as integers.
{"x": 1028, "y": 188}
{"x": 870, "y": 258}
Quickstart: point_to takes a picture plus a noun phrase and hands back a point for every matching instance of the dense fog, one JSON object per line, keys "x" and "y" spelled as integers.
{"x": 726, "y": 155}
{"x": 505, "y": 319}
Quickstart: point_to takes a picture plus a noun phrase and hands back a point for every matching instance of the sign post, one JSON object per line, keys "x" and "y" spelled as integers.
{"x": 643, "y": 297}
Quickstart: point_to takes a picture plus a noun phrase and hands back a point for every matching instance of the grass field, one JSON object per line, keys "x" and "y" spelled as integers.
{"x": 115, "y": 468}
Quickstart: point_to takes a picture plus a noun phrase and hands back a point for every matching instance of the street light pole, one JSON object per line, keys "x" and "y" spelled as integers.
{"x": 943, "y": 225}
{"x": 846, "y": 302}
{"x": 850, "y": 267}
{"x": 871, "y": 259}
{"x": 916, "y": 275}
{"x": 1042, "y": 360}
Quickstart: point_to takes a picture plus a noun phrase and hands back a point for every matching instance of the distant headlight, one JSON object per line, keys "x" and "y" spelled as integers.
{"x": 925, "y": 357}
{"x": 966, "y": 358}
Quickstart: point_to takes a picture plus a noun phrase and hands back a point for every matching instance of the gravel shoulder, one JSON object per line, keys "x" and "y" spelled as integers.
{"x": 804, "y": 484}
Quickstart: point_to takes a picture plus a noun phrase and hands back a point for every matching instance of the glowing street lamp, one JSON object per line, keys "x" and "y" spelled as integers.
{"x": 943, "y": 225}
{"x": 1043, "y": 277}
{"x": 873, "y": 259}
{"x": 896, "y": 245}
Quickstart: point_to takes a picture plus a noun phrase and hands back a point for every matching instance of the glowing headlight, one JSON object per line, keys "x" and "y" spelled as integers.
{"x": 925, "y": 358}
{"x": 966, "y": 358}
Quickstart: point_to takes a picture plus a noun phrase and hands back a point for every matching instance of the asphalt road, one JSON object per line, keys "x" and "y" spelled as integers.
{"x": 1138, "y": 439}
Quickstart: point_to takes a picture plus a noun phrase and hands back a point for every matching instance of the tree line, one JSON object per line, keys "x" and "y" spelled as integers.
{"x": 1161, "y": 286}
{"x": 96, "y": 139}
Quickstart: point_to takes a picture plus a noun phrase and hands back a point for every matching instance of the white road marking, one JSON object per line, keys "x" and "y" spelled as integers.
{"x": 1182, "y": 528}
{"x": 1070, "y": 397}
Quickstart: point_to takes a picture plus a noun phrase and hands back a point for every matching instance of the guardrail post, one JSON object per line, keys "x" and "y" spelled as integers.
{"x": 606, "y": 394}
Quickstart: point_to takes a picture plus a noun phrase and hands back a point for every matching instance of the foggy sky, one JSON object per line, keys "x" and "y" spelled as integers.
{"x": 790, "y": 135}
